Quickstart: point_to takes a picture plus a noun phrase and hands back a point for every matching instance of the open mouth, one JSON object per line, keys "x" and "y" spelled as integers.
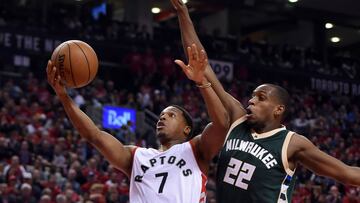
{"x": 248, "y": 111}
{"x": 160, "y": 125}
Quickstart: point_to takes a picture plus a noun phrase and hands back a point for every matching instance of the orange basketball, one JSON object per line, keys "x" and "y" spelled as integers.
{"x": 76, "y": 62}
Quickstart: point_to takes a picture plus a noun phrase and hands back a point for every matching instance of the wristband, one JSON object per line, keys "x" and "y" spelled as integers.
{"x": 206, "y": 85}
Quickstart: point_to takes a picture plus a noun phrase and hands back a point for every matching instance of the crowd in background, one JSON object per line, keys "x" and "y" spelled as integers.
{"x": 43, "y": 159}
{"x": 81, "y": 24}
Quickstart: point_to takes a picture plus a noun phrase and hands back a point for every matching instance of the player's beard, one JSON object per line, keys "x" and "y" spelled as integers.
{"x": 255, "y": 125}
{"x": 163, "y": 137}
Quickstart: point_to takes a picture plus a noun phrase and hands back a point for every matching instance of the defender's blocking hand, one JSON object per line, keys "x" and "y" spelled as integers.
{"x": 195, "y": 70}
{"x": 178, "y": 5}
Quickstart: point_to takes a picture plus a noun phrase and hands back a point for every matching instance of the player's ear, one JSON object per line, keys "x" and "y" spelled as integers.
{"x": 187, "y": 130}
{"x": 279, "y": 110}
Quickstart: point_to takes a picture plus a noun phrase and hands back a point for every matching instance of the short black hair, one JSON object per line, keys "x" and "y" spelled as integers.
{"x": 188, "y": 119}
{"x": 283, "y": 96}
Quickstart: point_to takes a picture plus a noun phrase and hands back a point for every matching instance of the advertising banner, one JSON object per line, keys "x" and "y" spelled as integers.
{"x": 114, "y": 117}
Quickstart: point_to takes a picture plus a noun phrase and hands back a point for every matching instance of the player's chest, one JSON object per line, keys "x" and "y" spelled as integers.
{"x": 167, "y": 162}
{"x": 260, "y": 154}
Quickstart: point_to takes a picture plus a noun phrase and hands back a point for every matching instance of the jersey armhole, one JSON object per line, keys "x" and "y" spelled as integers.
{"x": 192, "y": 144}
{"x": 233, "y": 125}
{"x": 284, "y": 156}
{"x": 133, "y": 150}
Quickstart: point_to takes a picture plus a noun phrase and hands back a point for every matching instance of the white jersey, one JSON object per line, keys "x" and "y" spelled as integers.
{"x": 172, "y": 176}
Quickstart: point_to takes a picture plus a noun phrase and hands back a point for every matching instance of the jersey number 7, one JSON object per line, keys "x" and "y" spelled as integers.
{"x": 163, "y": 180}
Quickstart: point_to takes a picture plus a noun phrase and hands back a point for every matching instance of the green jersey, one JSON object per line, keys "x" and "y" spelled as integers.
{"x": 254, "y": 167}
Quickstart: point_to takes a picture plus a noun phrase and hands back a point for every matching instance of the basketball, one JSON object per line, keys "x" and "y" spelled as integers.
{"x": 76, "y": 62}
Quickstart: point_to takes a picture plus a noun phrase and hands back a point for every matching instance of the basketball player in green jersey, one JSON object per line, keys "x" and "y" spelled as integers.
{"x": 260, "y": 155}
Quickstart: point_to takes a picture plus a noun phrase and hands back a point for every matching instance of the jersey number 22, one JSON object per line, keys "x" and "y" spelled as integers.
{"x": 238, "y": 171}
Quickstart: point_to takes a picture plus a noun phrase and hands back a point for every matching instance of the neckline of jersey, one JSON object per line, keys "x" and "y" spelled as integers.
{"x": 257, "y": 136}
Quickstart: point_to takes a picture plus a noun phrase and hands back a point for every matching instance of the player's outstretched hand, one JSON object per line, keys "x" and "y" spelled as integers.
{"x": 178, "y": 5}
{"x": 195, "y": 70}
{"x": 54, "y": 79}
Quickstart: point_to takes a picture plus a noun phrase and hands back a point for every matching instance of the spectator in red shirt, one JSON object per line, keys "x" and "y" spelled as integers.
{"x": 14, "y": 169}
{"x": 351, "y": 196}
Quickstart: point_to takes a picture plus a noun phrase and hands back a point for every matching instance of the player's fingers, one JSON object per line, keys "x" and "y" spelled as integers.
{"x": 205, "y": 62}
{"x": 184, "y": 68}
{"x": 181, "y": 64}
{"x": 173, "y": 2}
{"x": 48, "y": 71}
{"x": 52, "y": 75}
{"x": 202, "y": 55}
{"x": 177, "y": 3}
{"x": 189, "y": 53}
{"x": 48, "y": 67}
{"x": 195, "y": 52}
{"x": 58, "y": 80}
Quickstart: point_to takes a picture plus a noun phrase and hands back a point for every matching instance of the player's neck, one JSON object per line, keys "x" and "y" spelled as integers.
{"x": 266, "y": 127}
{"x": 169, "y": 144}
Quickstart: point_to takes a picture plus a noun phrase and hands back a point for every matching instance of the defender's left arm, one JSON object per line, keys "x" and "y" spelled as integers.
{"x": 321, "y": 163}
{"x": 212, "y": 137}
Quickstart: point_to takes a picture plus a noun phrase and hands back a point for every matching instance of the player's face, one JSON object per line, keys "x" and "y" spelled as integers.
{"x": 171, "y": 125}
{"x": 261, "y": 106}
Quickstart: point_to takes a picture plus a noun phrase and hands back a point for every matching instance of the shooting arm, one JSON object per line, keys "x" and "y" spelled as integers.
{"x": 113, "y": 150}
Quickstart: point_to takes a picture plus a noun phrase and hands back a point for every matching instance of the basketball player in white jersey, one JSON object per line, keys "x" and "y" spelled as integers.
{"x": 175, "y": 173}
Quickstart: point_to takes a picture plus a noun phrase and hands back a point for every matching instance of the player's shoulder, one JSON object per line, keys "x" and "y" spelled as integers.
{"x": 238, "y": 120}
{"x": 195, "y": 144}
{"x": 146, "y": 149}
{"x": 299, "y": 139}
{"x": 131, "y": 148}
{"x": 299, "y": 142}
{"x": 142, "y": 151}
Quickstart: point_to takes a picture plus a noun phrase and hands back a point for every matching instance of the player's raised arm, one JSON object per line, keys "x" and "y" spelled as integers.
{"x": 189, "y": 37}
{"x": 321, "y": 163}
{"x": 212, "y": 138}
{"x": 113, "y": 150}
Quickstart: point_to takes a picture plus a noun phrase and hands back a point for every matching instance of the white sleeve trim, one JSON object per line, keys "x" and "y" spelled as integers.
{"x": 284, "y": 156}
